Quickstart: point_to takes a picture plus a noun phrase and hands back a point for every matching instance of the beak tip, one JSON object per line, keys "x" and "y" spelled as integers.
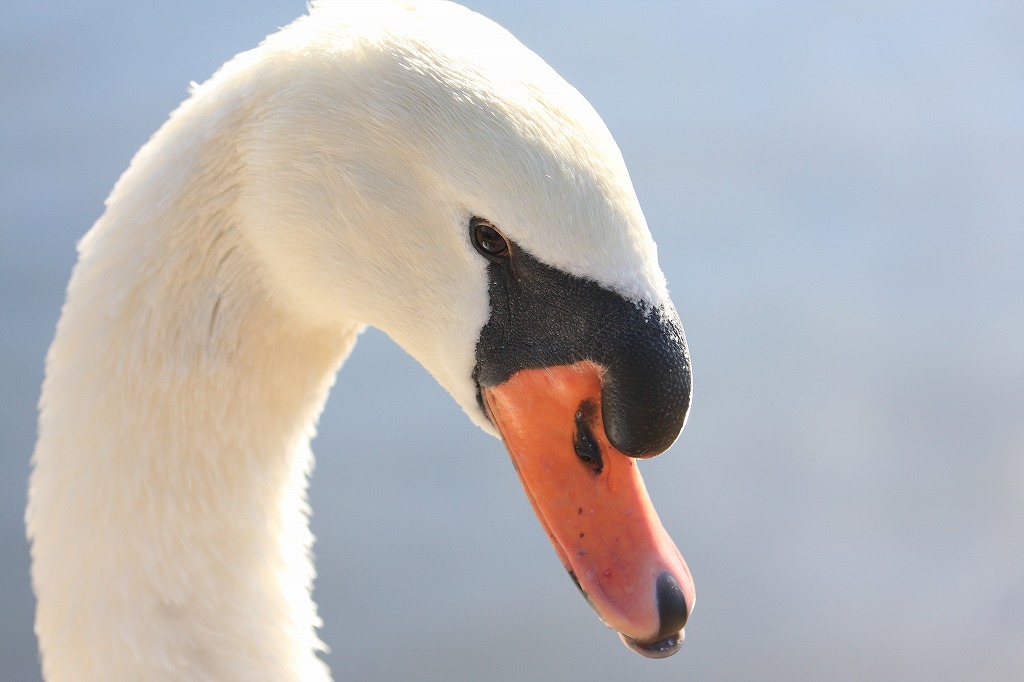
{"x": 672, "y": 607}
{"x": 673, "y": 612}
{"x": 661, "y": 649}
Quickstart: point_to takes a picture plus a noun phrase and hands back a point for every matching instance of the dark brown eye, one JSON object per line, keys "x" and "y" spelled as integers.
{"x": 488, "y": 241}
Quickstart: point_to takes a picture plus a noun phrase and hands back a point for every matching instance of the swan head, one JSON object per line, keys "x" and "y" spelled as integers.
{"x": 419, "y": 170}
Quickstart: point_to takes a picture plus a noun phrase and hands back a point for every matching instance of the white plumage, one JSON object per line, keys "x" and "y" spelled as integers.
{"x": 314, "y": 185}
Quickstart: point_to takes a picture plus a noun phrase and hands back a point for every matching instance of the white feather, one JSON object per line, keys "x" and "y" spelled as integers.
{"x": 314, "y": 185}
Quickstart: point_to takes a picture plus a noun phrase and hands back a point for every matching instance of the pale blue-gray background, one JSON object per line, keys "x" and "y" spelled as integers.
{"x": 838, "y": 193}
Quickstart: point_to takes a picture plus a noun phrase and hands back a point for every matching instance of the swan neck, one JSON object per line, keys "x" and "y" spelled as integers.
{"x": 167, "y": 512}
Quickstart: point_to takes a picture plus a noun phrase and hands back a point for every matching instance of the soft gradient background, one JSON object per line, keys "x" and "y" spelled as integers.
{"x": 838, "y": 193}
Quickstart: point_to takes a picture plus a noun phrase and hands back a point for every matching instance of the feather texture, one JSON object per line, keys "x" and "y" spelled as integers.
{"x": 316, "y": 184}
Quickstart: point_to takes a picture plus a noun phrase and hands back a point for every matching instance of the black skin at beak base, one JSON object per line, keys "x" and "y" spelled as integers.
{"x": 543, "y": 317}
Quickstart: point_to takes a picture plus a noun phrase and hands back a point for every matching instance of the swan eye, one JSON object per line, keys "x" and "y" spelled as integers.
{"x": 488, "y": 241}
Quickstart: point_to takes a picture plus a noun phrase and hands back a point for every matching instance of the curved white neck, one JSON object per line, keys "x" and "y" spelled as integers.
{"x": 174, "y": 439}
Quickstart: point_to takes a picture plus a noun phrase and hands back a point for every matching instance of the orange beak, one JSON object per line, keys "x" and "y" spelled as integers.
{"x": 593, "y": 504}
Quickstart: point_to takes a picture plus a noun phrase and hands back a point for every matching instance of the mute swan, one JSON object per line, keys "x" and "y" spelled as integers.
{"x": 407, "y": 166}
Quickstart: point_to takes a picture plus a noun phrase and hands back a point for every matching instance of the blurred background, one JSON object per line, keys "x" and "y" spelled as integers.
{"x": 838, "y": 194}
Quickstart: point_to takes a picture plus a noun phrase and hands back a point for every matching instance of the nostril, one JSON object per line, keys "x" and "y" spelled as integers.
{"x": 672, "y": 608}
